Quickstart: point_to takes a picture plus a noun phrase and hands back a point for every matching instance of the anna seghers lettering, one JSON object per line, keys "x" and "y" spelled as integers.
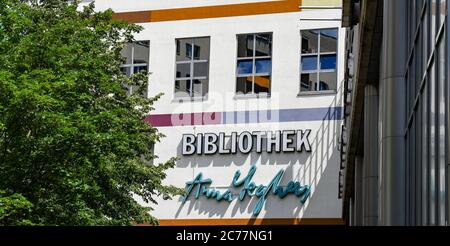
{"x": 200, "y": 187}
{"x": 246, "y": 142}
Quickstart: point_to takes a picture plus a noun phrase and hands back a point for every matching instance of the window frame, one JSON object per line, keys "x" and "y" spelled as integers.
{"x": 191, "y": 63}
{"x": 318, "y": 55}
{"x": 253, "y": 59}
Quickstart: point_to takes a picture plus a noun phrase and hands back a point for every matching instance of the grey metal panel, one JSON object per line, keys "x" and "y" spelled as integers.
{"x": 371, "y": 153}
{"x": 359, "y": 191}
{"x": 392, "y": 179}
{"x": 393, "y": 106}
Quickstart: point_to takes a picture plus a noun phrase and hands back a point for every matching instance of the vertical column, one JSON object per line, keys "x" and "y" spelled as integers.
{"x": 358, "y": 198}
{"x": 351, "y": 213}
{"x": 393, "y": 114}
{"x": 370, "y": 165}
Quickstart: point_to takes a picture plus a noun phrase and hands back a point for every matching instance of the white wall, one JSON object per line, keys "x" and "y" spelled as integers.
{"x": 222, "y": 31}
{"x": 319, "y": 168}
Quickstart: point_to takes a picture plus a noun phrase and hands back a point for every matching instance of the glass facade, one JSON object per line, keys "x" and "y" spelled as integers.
{"x": 403, "y": 76}
{"x": 427, "y": 111}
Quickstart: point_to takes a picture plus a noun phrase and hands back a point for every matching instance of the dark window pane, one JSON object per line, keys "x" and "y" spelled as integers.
{"x": 432, "y": 145}
{"x": 329, "y": 33}
{"x": 126, "y": 71}
{"x": 200, "y": 87}
{"x": 310, "y": 41}
{"x": 188, "y": 50}
{"x": 196, "y": 52}
{"x": 433, "y": 26}
{"x": 262, "y": 84}
{"x": 129, "y": 90}
{"x": 245, "y": 45}
{"x": 309, "y": 63}
{"x": 184, "y": 70}
{"x": 244, "y": 85}
{"x": 201, "y": 69}
{"x": 244, "y": 67}
{"x": 133, "y": 90}
{"x": 327, "y": 62}
{"x": 201, "y": 48}
{"x": 308, "y": 82}
{"x": 418, "y": 59}
{"x": 263, "y": 66}
{"x": 263, "y": 46}
{"x": 425, "y": 35}
{"x": 441, "y": 129}
{"x": 138, "y": 69}
{"x": 126, "y": 53}
{"x": 425, "y": 142}
{"x": 328, "y": 40}
{"x": 182, "y": 88}
{"x": 442, "y": 11}
{"x": 184, "y": 49}
{"x": 141, "y": 52}
{"x": 327, "y": 81}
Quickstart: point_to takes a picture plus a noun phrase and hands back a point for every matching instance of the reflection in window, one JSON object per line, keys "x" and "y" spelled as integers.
{"x": 328, "y": 62}
{"x": 254, "y": 64}
{"x": 192, "y": 65}
{"x": 192, "y": 49}
{"x": 318, "y": 60}
{"x": 442, "y": 134}
{"x": 245, "y": 67}
{"x": 136, "y": 57}
{"x": 309, "y": 63}
{"x": 310, "y": 40}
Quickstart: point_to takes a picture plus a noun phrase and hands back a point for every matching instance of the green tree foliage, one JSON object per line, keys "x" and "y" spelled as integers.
{"x": 73, "y": 145}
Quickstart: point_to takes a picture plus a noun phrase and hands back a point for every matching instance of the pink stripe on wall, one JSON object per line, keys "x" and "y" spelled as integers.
{"x": 185, "y": 119}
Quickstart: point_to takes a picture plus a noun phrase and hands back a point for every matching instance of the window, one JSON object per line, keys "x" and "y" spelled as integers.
{"x": 136, "y": 56}
{"x": 318, "y": 60}
{"x": 254, "y": 64}
{"x": 192, "y": 65}
{"x": 427, "y": 87}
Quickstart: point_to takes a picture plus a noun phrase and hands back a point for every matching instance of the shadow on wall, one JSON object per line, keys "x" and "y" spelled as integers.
{"x": 240, "y": 159}
{"x": 319, "y": 169}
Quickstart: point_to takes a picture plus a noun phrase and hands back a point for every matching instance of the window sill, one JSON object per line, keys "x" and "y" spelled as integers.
{"x": 251, "y": 96}
{"x": 316, "y": 93}
{"x": 189, "y": 99}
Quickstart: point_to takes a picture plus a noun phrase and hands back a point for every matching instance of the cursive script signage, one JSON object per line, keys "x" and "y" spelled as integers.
{"x": 246, "y": 142}
{"x": 201, "y": 188}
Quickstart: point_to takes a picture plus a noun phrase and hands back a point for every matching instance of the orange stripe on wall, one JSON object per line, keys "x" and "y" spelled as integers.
{"x": 281, "y": 6}
{"x": 134, "y": 17}
{"x": 237, "y": 222}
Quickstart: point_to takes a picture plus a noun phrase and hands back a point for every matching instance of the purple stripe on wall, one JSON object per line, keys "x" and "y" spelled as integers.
{"x": 245, "y": 117}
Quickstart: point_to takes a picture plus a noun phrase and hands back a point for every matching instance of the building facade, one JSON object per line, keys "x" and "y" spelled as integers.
{"x": 395, "y": 142}
{"x": 252, "y": 106}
